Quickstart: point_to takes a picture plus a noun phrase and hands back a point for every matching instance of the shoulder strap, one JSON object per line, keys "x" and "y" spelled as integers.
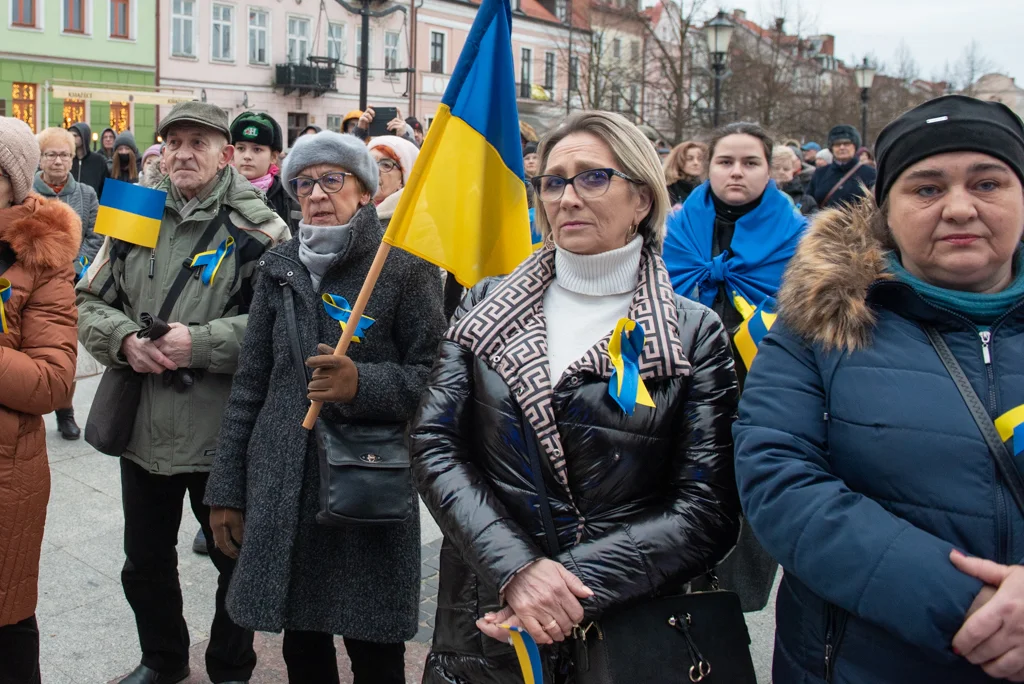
{"x": 537, "y": 473}
{"x": 288, "y": 304}
{"x": 7, "y": 257}
{"x": 186, "y": 267}
{"x": 1007, "y": 469}
{"x": 848, "y": 176}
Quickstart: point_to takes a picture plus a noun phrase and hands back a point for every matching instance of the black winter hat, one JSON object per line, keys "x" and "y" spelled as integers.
{"x": 257, "y": 128}
{"x": 530, "y": 148}
{"x": 843, "y": 132}
{"x": 414, "y": 123}
{"x": 954, "y": 123}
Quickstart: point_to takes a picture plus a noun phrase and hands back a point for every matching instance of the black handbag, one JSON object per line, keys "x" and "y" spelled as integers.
{"x": 111, "y": 421}
{"x": 365, "y": 471}
{"x": 702, "y": 635}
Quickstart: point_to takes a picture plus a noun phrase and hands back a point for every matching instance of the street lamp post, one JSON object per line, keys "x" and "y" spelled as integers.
{"x": 864, "y": 77}
{"x": 718, "y": 33}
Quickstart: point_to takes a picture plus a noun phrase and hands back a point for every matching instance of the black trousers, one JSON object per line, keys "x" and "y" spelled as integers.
{"x": 152, "y": 516}
{"x": 311, "y": 659}
{"x": 19, "y": 652}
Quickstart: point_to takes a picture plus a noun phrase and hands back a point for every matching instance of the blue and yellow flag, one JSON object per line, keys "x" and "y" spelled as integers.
{"x": 527, "y": 653}
{"x": 757, "y": 321}
{"x": 464, "y": 207}
{"x": 1011, "y": 425}
{"x": 130, "y": 212}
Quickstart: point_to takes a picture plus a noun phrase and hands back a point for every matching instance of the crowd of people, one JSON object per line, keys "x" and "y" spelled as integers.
{"x": 721, "y": 359}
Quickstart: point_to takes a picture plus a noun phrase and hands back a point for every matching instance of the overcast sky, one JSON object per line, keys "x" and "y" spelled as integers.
{"x": 935, "y": 31}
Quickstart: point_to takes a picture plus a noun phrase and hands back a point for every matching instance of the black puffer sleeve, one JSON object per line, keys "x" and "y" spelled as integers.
{"x": 693, "y": 531}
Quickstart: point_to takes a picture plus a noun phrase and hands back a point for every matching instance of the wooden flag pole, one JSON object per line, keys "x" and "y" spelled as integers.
{"x": 354, "y": 318}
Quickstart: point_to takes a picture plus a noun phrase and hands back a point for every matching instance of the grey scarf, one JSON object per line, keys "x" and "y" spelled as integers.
{"x": 319, "y": 246}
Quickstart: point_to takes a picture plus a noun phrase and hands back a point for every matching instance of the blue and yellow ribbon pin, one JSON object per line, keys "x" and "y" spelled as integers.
{"x": 81, "y": 266}
{"x": 338, "y": 308}
{"x": 1011, "y": 424}
{"x": 528, "y": 654}
{"x": 626, "y": 387}
{"x": 210, "y": 261}
{"x": 5, "y": 294}
{"x": 757, "y": 321}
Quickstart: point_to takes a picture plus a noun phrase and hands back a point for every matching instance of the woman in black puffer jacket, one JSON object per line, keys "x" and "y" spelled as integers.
{"x": 643, "y": 497}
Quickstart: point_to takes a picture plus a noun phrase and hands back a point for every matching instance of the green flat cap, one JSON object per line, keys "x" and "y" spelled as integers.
{"x": 199, "y": 114}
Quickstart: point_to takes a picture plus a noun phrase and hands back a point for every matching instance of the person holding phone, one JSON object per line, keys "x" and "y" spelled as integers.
{"x": 396, "y": 125}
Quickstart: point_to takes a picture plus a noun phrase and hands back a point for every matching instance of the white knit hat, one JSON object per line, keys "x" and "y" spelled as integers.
{"x": 19, "y": 155}
{"x": 402, "y": 148}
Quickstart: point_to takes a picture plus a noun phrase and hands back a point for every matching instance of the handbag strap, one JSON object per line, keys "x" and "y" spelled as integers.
{"x": 1007, "y": 469}
{"x": 842, "y": 181}
{"x": 288, "y": 303}
{"x": 550, "y": 535}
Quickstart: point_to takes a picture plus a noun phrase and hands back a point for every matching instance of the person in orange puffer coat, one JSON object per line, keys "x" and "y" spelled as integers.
{"x": 39, "y": 240}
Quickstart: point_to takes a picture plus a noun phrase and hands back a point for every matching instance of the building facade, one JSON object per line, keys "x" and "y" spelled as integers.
{"x": 64, "y": 61}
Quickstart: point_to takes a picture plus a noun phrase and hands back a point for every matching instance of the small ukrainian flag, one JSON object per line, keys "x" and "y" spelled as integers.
{"x": 130, "y": 212}
{"x": 1011, "y": 425}
{"x": 757, "y": 321}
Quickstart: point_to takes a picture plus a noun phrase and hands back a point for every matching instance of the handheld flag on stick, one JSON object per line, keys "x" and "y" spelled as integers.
{"x": 624, "y": 349}
{"x": 1011, "y": 424}
{"x": 757, "y": 321}
{"x": 130, "y": 212}
{"x": 464, "y": 207}
{"x": 528, "y": 654}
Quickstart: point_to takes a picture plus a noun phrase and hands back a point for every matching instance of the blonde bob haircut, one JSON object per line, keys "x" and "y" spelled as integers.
{"x": 54, "y": 138}
{"x": 633, "y": 153}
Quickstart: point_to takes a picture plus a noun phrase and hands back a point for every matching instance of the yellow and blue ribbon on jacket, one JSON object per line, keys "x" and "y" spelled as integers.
{"x": 5, "y": 295}
{"x": 528, "y": 654}
{"x": 626, "y": 386}
{"x": 757, "y": 321}
{"x": 210, "y": 261}
{"x": 1011, "y": 424}
{"x": 81, "y": 266}
{"x": 338, "y": 308}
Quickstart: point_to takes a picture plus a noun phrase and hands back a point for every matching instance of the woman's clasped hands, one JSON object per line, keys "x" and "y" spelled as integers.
{"x": 544, "y": 599}
{"x": 992, "y": 636}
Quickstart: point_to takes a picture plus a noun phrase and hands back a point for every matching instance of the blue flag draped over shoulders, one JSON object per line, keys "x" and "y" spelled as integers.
{"x": 762, "y": 245}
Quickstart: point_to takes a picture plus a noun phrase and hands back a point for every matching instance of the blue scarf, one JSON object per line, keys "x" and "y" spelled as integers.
{"x": 762, "y": 245}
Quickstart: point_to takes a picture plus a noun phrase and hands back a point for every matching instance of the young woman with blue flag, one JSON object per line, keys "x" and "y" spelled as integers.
{"x": 580, "y": 381}
{"x": 727, "y": 247}
{"x": 295, "y": 574}
{"x": 861, "y": 449}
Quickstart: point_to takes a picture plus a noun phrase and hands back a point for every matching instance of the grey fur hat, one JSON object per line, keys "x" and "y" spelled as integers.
{"x": 328, "y": 147}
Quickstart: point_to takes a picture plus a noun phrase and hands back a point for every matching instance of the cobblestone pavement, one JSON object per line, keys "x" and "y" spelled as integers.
{"x": 87, "y": 629}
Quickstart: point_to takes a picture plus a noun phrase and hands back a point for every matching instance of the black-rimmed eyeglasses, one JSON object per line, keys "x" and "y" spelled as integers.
{"x": 589, "y": 184}
{"x": 329, "y": 182}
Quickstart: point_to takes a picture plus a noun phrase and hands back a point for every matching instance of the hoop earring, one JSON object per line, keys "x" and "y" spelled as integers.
{"x": 633, "y": 230}
{"x": 549, "y": 241}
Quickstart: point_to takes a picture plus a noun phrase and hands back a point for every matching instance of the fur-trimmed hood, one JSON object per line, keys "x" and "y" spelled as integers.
{"x": 823, "y": 297}
{"x": 48, "y": 236}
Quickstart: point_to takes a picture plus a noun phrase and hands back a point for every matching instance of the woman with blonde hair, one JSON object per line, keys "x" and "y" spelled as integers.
{"x": 684, "y": 170}
{"x": 521, "y": 409}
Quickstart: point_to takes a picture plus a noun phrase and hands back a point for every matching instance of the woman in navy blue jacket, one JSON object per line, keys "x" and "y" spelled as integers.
{"x": 859, "y": 465}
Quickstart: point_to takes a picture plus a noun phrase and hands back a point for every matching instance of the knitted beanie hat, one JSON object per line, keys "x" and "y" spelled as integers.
{"x": 126, "y": 138}
{"x": 19, "y": 155}
{"x": 405, "y": 153}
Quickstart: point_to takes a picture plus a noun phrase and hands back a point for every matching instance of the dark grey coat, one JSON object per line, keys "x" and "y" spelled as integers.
{"x": 360, "y": 582}
{"x": 83, "y": 200}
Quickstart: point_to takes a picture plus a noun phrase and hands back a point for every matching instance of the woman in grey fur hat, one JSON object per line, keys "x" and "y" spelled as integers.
{"x": 293, "y": 573}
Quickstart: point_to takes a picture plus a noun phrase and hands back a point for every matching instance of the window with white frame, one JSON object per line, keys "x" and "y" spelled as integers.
{"x": 298, "y": 40}
{"x": 120, "y": 19}
{"x": 222, "y": 36}
{"x": 437, "y": 52}
{"x": 525, "y": 72}
{"x": 359, "y": 49}
{"x": 549, "y": 71}
{"x": 616, "y": 48}
{"x": 561, "y": 9}
{"x": 391, "y": 39}
{"x": 334, "y": 121}
{"x": 183, "y": 28}
{"x": 74, "y": 13}
{"x": 336, "y": 44}
{"x": 259, "y": 36}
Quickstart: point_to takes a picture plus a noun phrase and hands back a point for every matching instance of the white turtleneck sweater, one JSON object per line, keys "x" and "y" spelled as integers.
{"x": 589, "y": 295}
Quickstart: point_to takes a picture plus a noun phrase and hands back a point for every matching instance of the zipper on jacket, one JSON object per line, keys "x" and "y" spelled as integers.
{"x": 835, "y": 625}
{"x": 152, "y": 263}
{"x": 1003, "y": 515}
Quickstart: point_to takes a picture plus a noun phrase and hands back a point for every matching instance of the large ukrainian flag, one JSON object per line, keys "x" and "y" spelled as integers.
{"x": 464, "y": 207}
{"x": 130, "y": 212}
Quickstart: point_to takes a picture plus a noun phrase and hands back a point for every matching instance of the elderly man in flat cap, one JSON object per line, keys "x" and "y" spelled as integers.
{"x": 186, "y": 376}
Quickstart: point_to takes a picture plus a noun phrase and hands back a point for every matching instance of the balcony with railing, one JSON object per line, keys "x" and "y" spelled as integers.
{"x": 316, "y": 78}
